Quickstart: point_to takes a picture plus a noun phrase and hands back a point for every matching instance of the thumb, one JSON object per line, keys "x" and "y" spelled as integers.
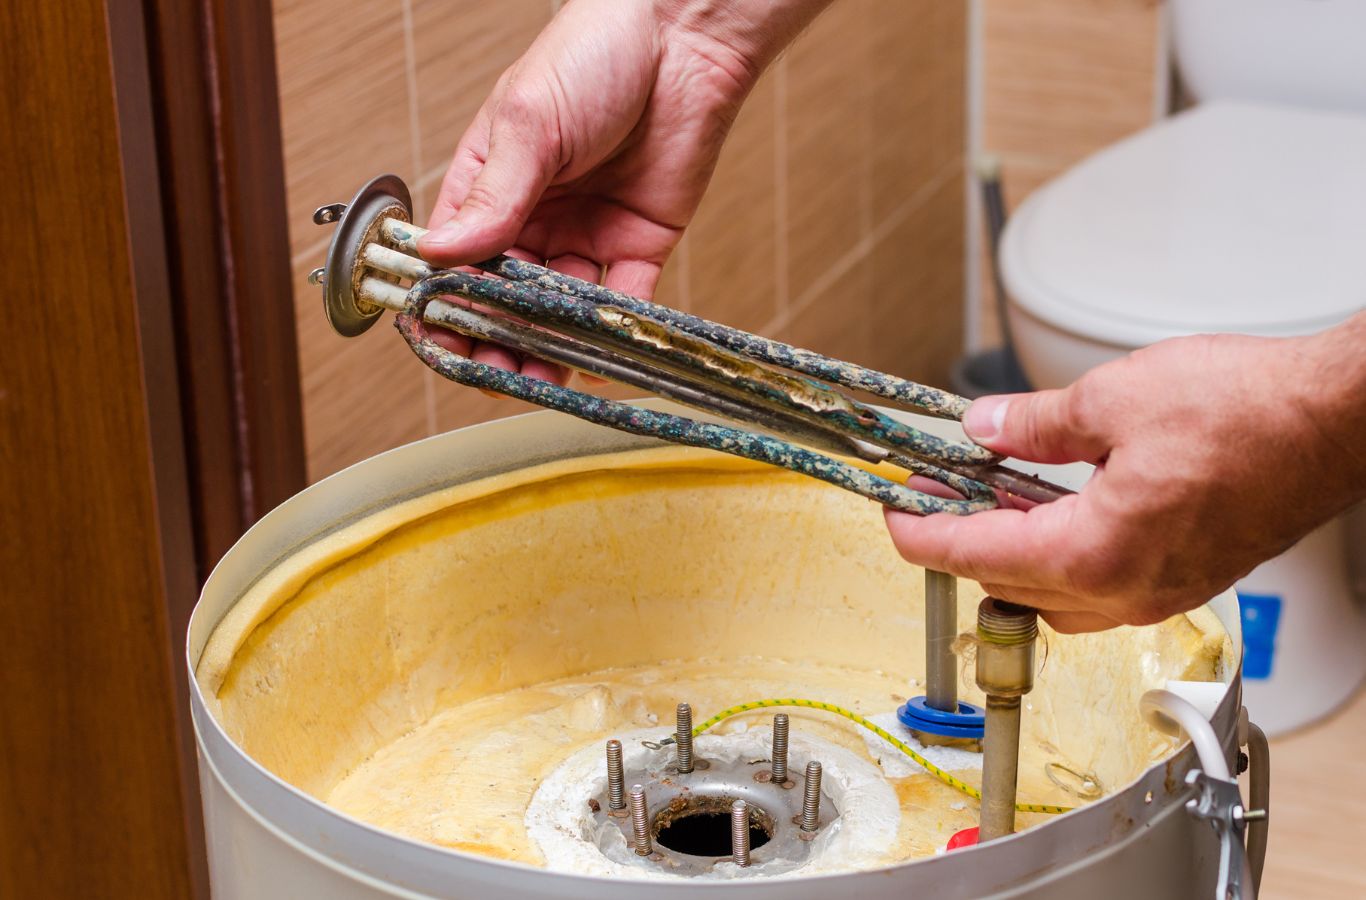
{"x": 493, "y": 212}
{"x": 1042, "y": 426}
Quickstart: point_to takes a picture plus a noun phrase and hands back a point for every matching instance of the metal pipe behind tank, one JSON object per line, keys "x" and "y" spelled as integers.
{"x": 1005, "y": 672}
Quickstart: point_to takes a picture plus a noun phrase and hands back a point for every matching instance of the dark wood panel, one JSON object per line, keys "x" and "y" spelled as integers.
{"x": 222, "y": 180}
{"x": 94, "y": 786}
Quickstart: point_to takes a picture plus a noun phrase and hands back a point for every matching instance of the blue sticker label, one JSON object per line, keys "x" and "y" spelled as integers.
{"x": 1261, "y": 615}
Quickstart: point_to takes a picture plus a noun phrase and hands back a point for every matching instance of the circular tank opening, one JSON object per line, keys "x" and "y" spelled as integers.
{"x": 702, "y": 828}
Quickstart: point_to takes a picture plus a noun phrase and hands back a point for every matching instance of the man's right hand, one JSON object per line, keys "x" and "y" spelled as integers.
{"x": 594, "y": 149}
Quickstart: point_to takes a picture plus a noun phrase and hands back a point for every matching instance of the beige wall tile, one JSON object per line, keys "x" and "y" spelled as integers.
{"x": 460, "y": 49}
{"x": 732, "y": 240}
{"x": 343, "y": 103}
{"x": 828, "y": 185}
{"x": 917, "y": 95}
{"x": 458, "y": 406}
{"x": 362, "y": 395}
{"x": 916, "y": 289}
{"x": 1064, "y": 78}
{"x": 837, "y": 322}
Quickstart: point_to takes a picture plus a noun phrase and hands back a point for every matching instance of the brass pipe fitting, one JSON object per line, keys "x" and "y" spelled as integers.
{"x": 1006, "y": 634}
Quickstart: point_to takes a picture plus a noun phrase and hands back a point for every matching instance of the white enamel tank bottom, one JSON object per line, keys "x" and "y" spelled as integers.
{"x": 271, "y": 838}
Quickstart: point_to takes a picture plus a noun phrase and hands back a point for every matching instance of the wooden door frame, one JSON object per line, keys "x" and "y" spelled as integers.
{"x": 202, "y": 307}
{"x": 215, "y": 109}
{"x": 199, "y": 120}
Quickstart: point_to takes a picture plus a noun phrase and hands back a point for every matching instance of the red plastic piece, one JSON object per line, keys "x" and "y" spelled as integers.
{"x": 965, "y": 838}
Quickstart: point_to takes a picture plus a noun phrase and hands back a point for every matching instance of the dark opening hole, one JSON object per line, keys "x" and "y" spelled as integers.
{"x": 706, "y": 831}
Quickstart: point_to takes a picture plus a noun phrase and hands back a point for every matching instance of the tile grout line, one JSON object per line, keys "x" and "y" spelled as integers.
{"x": 780, "y": 204}
{"x": 419, "y": 189}
{"x": 864, "y": 247}
{"x": 310, "y": 253}
{"x": 974, "y": 289}
{"x": 866, "y": 133}
{"x": 868, "y": 137}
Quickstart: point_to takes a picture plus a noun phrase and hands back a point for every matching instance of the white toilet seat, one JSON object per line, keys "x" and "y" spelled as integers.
{"x": 1228, "y": 217}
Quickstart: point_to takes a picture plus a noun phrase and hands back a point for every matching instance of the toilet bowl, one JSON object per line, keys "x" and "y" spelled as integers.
{"x": 1243, "y": 214}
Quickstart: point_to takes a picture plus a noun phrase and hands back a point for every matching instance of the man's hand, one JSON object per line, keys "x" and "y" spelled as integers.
{"x": 594, "y": 149}
{"x": 1212, "y": 454}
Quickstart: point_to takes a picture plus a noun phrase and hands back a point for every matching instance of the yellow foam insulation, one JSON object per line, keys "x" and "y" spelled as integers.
{"x": 423, "y": 668}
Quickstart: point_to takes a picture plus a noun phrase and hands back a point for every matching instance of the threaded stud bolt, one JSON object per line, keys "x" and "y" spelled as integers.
{"x": 616, "y": 782}
{"x": 640, "y": 821}
{"x": 780, "y": 732}
{"x": 683, "y": 738}
{"x": 739, "y": 833}
{"x": 811, "y": 800}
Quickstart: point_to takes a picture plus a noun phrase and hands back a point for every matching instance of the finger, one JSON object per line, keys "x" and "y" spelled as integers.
{"x": 636, "y": 277}
{"x": 999, "y": 546}
{"x": 933, "y": 488}
{"x": 458, "y": 344}
{"x": 495, "y": 355}
{"x": 1059, "y": 610}
{"x": 575, "y": 266}
{"x": 522, "y": 158}
{"x": 1041, "y": 426}
{"x": 1072, "y": 621}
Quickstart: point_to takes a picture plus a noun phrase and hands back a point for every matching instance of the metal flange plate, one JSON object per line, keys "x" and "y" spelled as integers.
{"x": 384, "y": 197}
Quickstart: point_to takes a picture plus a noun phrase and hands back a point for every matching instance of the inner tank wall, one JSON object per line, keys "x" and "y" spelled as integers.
{"x": 659, "y": 555}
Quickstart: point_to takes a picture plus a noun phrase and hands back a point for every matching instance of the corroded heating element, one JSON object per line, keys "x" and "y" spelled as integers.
{"x": 739, "y": 833}
{"x": 1005, "y": 672}
{"x": 616, "y": 782}
{"x": 683, "y": 737}
{"x": 640, "y": 821}
{"x": 780, "y": 735}
{"x": 811, "y": 800}
{"x": 787, "y": 393}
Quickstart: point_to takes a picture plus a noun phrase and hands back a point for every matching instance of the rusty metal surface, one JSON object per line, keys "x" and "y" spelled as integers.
{"x": 676, "y": 429}
{"x": 788, "y": 391}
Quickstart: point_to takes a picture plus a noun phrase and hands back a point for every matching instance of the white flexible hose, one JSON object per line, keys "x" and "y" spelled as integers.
{"x": 1174, "y": 715}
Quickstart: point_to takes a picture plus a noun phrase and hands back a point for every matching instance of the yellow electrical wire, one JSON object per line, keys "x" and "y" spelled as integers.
{"x": 955, "y": 783}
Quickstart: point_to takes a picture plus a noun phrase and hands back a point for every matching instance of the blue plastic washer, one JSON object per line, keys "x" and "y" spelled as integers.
{"x": 968, "y": 722}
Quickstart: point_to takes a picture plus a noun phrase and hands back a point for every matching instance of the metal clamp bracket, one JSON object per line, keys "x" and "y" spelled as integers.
{"x": 1220, "y": 803}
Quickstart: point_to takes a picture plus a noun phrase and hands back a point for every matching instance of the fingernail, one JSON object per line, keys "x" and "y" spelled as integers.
{"x": 443, "y": 235}
{"x": 986, "y": 418}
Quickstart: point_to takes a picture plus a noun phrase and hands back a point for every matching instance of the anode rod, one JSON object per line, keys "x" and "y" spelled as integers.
{"x": 941, "y": 628}
{"x": 1000, "y": 768}
{"x": 1006, "y": 634}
